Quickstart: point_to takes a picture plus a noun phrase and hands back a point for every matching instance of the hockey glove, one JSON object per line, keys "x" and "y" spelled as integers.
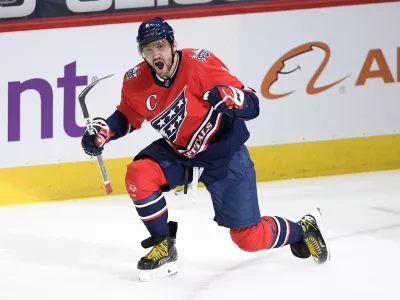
{"x": 223, "y": 98}
{"x": 93, "y": 145}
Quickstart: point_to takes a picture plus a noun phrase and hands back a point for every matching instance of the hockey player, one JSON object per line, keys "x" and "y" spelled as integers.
{"x": 200, "y": 109}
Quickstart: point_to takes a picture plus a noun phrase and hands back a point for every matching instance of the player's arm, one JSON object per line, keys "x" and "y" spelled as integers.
{"x": 226, "y": 93}
{"x": 242, "y": 102}
{"x": 119, "y": 125}
{"x": 123, "y": 121}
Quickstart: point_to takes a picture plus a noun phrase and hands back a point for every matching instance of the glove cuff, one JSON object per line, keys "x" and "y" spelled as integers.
{"x": 103, "y": 131}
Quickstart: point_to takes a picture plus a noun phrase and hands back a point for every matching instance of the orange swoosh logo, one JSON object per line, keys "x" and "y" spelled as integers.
{"x": 272, "y": 75}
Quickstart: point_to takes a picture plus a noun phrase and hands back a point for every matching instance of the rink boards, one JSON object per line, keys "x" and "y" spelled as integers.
{"x": 328, "y": 95}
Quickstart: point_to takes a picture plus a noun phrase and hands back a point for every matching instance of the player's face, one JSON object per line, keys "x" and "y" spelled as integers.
{"x": 159, "y": 55}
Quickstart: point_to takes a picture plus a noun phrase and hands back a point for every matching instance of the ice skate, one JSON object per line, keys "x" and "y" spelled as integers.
{"x": 314, "y": 241}
{"x": 160, "y": 262}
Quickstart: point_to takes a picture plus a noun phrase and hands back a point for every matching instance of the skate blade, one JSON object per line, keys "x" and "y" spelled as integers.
{"x": 318, "y": 217}
{"x": 163, "y": 272}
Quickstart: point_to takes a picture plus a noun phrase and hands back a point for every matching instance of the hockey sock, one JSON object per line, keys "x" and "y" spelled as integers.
{"x": 270, "y": 232}
{"x": 153, "y": 211}
{"x": 143, "y": 179}
{"x": 285, "y": 232}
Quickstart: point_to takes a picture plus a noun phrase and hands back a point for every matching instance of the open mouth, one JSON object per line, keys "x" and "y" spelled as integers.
{"x": 159, "y": 65}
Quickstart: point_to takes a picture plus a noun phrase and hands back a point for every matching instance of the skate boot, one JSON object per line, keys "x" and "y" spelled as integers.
{"x": 314, "y": 241}
{"x": 159, "y": 263}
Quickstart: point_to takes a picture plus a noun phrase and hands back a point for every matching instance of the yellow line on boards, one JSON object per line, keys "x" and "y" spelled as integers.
{"x": 41, "y": 183}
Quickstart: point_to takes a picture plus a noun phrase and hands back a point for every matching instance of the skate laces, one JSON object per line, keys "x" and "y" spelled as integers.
{"x": 159, "y": 251}
{"x": 308, "y": 221}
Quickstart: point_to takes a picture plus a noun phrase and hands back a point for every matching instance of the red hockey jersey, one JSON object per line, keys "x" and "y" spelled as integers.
{"x": 175, "y": 107}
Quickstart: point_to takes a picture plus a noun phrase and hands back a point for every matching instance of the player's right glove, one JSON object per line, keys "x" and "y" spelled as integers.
{"x": 223, "y": 98}
{"x": 93, "y": 145}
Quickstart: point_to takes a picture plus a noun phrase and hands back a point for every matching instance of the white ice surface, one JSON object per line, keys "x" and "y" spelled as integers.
{"x": 88, "y": 249}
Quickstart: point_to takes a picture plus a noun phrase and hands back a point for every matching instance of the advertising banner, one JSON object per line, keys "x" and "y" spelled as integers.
{"x": 59, "y": 8}
{"x": 316, "y": 81}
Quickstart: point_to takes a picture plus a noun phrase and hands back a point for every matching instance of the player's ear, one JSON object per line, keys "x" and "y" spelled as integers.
{"x": 175, "y": 46}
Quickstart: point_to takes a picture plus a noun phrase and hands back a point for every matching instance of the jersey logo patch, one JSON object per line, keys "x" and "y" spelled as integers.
{"x": 170, "y": 120}
{"x": 132, "y": 73}
{"x": 200, "y": 54}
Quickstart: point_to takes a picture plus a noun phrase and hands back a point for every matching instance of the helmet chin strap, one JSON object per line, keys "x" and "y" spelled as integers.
{"x": 172, "y": 63}
{"x": 171, "y": 42}
{"x": 173, "y": 56}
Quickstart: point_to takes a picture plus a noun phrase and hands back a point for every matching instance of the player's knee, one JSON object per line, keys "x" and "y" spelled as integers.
{"x": 143, "y": 177}
{"x": 253, "y": 238}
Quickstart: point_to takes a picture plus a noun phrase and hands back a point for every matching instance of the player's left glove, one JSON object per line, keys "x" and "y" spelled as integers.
{"x": 93, "y": 145}
{"x": 223, "y": 98}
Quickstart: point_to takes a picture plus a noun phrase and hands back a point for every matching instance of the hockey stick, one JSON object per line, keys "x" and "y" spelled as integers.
{"x": 89, "y": 126}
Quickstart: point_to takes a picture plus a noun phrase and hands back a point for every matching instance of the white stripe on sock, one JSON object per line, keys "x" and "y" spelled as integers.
{"x": 278, "y": 231}
{"x": 287, "y": 233}
{"x": 160, "y": 212}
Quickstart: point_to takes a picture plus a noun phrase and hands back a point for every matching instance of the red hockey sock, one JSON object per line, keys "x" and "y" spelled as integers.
{"x": 270, "y": 232}
{"x": 256, "y": 237}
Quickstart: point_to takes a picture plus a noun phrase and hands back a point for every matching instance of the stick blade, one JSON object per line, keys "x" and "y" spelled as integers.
{"x": 83, "y": 94}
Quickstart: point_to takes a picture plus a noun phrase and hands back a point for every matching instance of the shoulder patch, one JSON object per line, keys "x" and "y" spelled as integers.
{"x": 200, "y": 54}
{"x": 132, "y": 73}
